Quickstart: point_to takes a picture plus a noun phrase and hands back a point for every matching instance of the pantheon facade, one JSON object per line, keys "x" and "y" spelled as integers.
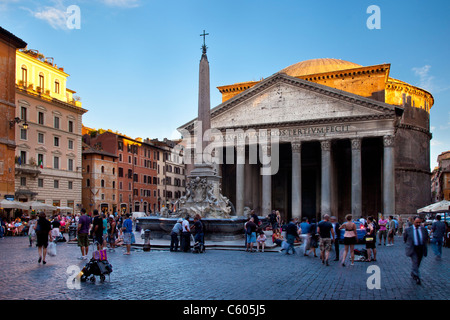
{"x": 351, "y": 140}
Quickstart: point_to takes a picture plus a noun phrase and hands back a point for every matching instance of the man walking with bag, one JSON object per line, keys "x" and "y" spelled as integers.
{"x": 416, "y": 239}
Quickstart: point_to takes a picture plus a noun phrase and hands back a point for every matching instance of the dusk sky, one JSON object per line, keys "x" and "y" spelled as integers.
{"x": 134, "y": 63}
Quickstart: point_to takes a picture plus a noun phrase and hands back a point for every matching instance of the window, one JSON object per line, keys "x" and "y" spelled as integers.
{"x": 88, "y": 183}
{"x": 103, "y": 169}
{"x": 55, "y": 162}
{"x": 70, "y": 126}
{"x": 56, "y": 141}
{"x": 41, "y": 81}
{"x": 57, "y": 86}
{"x": 88, "y": 169}
{"x": 103, "y": 183}
{"x": 40, "y": 117}
{"x": 56, "y": 184}
{"x": 103, "y": 196}
{"x": 70, "y": 185}
{"x": 114, "y": 184}
{"x": 70, "y": 144}
{"x": 56, "y": 122}
{"x": 23, "y": 113}
{"x": 70, "y": 165}
{"x": 24, "y": 75}
{"x": 40, "y": 137}
{"x": 23, "y": 157}
{"x": 23, "y": 181}
{"x": 23, "y": 134}
{"x": 40, "y": 159}
{"x": 120, "y": 172}
{"x": 40, "y": 183}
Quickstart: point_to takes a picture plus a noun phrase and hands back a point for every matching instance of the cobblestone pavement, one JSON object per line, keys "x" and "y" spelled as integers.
{"x": 217, "y": 275}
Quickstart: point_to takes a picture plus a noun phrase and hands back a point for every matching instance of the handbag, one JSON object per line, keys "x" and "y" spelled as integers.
{"x": 133, "y": 238}
{"x": 51, "y": 249}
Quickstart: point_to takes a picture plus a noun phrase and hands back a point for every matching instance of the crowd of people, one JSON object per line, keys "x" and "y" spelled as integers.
{"x": 329, "y": 233}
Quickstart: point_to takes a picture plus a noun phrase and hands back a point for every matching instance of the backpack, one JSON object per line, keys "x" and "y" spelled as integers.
{"x": 376, "y": 225}
{"x": 248, "y": 230}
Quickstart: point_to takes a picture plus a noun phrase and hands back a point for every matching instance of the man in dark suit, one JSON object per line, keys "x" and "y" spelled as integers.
{"x": 416, "y": 239}
{"x": 337, "y": 232}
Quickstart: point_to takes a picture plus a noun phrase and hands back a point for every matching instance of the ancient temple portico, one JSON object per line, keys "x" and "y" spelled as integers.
{"x": 337, "y": 152}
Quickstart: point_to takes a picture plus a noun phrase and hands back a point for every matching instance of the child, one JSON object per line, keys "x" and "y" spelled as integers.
{"x": 261, "y": 240}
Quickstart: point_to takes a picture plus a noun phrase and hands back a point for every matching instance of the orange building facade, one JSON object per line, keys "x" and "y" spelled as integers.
{"x": 9, "y": 43}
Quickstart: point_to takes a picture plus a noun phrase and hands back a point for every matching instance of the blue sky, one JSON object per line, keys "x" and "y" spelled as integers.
{"x": 134, "y": 63}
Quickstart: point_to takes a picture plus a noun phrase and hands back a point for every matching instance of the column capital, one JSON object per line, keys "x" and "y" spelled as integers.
{"x": 356, "y": 144}
{"x": 296, "y": 146}
{"x": 325, "y": 145}
{"x": 388, "y": 141}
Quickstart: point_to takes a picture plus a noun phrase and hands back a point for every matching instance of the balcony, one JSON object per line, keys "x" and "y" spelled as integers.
{"x": 27, "y": 169}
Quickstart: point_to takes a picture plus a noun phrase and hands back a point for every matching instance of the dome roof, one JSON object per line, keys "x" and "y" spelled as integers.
{"x": 314, "y": 66}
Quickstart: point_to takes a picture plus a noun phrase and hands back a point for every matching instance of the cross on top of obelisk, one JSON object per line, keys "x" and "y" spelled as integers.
{"x": 204, "y": 40}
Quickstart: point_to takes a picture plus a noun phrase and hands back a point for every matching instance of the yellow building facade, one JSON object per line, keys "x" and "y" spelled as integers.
{"x": 48, "y": 153}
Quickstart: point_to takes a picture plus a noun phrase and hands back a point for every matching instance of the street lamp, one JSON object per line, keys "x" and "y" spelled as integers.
{"x": 18, "y": 120}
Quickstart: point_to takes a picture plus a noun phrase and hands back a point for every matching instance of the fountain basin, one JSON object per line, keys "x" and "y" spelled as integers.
{"x": 215, "y": 229}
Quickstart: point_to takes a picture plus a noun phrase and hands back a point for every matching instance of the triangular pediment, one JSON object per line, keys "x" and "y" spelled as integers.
{"x": 282, "y": 99}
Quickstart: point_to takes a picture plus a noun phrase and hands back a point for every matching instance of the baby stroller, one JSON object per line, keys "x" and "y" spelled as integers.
{"x": 361, "y": 255}
{"x": 97, "y": 266}
{"x": 198, "y": 246}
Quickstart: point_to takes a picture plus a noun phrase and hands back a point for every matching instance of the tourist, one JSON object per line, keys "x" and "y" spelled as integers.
{"x": 127, "y": 229}
{"x": 304, "y": 234}
{"x": 291, "y": 235}
{"x": 337, "y": 232}
{"x": 198, "y": 229}
{"x": 250, "y": 231}
{"x": 273, "y": 220}
{"x": 56, "y": 233}
{"x": 31, "y": 229}
{"x": 255, "y": 217}
{"x": 112, "y": 233}
{"x": 370, "y": 239}
{"x": 97, "y": 229}
{"x": 362, "y": 220}
{"x": 382, "y": 233}
{"x": 326, "y": 234}
{"x": 438, "y": 229}
{"x": 416, "y": 239}
{"x": 279, "y": 225}
{"x": 350, "y": 239}
{"x": 43, "y": 230}
{"x": 277, "y": 237}
{"x": 84, "y": 225}
{"x": 391, "y": 232}
{"x": 313, "y": 238}
{"x": 176, "y": 232}
{"x": 105, "y": 230}
{"x": 185, "y": 235}
{"x": 261, "y": 240}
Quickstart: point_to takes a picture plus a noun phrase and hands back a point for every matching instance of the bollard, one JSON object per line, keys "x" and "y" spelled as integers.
{"x": 147, "y": 240}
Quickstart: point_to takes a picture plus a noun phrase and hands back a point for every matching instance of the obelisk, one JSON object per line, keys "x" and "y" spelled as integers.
{"x": 203, "y": 123}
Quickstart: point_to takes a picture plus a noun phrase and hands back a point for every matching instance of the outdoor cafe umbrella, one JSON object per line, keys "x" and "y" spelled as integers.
{"x": 36, "y": 205}
{"x": 64, "y": 208}
{"x": 442, "y": 206}
{"x": 12, "y": 204}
